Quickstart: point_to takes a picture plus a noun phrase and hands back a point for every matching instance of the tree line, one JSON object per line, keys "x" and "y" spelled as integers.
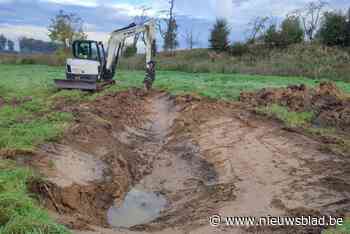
{"x": 309, "y": 23}
{"x": 6, "y": 44}
{"x": 27, "y": 45}
{"x": 312, "y": 24}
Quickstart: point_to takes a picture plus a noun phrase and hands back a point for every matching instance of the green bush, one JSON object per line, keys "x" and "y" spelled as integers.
{"x": 26, "y": 61}
{"x": 291, "y": 30}
{"x": 239, "y": 49}
{"x": 60, "y": 57}
{"x": 334, "y": 30}
{"x": 274, "y": 38}
{"x": 290, "y": 33}
{"x": 219, "y": 36}
{"x": 130, "y": 51}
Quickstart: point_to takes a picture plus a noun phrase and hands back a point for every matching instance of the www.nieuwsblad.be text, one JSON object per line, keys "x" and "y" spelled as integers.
{"x": 218, "y": 220}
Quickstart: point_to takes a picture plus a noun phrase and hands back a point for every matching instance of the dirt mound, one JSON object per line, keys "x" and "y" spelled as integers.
{"x": 330, "y": 105}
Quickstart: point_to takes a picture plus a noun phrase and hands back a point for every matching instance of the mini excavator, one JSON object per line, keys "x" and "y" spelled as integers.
{"x": 92, "y": 68}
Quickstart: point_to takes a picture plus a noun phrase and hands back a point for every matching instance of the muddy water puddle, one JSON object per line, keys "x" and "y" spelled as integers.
{"x": 139, "y": 207}
{"x": 142, "y": 205}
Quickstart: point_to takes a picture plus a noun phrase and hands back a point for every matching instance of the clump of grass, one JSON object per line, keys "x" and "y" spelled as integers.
{"x": 19, "y": 213}
{"x": 290, "y": 118}
{"x": 51, "y": 164}
{"x": 70, "y": 95}
{"x": 25, "y": 136}
{"x": 340, "y": 142}
{"x": 343, "y": 229}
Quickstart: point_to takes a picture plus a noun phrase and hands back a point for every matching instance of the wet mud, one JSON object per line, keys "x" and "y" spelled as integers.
{"x": 185, "y": 158}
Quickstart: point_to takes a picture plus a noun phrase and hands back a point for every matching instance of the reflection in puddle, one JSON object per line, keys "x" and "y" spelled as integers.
{"x": 138, "y": 208}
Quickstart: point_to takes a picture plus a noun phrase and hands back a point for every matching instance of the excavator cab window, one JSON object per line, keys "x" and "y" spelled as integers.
{"x": 86, "y": 50}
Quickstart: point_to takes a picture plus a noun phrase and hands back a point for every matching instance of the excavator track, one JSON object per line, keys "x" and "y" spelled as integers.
{"x": 83, "y": 85}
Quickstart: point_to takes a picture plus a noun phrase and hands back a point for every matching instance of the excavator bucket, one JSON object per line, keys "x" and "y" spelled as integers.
{"x": 76, "y": 84}
{"x": 82, "y": 84}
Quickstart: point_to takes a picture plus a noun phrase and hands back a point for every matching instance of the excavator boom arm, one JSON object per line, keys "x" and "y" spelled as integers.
{"x": 118, "y": 37}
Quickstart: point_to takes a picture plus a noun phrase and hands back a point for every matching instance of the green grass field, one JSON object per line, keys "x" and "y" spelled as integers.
{"x": 27, "y": 124}
{"x": 217, "y": 86}
{"x": 27, "y": 120}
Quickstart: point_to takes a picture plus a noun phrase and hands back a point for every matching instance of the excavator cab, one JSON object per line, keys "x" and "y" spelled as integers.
{"x": 89, "y": 59}
{"x": 85, "y": 70}
{"x": 91, "y": 50}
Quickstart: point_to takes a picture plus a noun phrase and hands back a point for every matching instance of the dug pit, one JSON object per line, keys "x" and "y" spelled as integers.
{"x": 135, "y": 162}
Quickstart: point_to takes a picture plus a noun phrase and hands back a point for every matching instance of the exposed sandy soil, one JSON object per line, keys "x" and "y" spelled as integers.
{"x": 205, "y": 157}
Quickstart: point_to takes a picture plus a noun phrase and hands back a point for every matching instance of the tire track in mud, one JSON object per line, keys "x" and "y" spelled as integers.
{"x": 172, "y": 165}
{"x": 179, "y": 172}
{"x": 274, "y": 171}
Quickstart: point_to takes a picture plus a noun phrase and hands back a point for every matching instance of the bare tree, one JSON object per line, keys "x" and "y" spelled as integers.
{"x": 190, "y": 39}
{"x": 311, "y": 16}
{"x": 169, "y": 35}
{"x": 257, "y": 27}
{"x": 65, "y": 28}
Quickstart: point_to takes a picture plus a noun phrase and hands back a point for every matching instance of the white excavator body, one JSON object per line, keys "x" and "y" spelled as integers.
{"x": 83, "y": 66}
{"x": 92, "y": 67}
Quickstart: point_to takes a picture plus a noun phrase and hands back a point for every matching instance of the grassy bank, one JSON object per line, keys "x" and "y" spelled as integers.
{"x": 19, "y": 213}
{"x": 26, "y": 120}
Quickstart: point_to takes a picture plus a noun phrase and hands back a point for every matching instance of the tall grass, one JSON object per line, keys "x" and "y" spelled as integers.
{"x": 308, "y": 60}
{"x": 55, "y": 59}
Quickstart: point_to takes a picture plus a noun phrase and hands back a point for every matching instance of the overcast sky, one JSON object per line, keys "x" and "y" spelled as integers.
{"x": 31, "y": 17}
